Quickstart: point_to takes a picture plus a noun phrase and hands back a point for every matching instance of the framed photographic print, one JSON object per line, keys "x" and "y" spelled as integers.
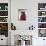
{"x": 42, "y": 32}
{"x": 22, "y": 14}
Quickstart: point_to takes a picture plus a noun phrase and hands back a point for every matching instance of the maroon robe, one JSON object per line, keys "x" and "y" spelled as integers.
{"x": 23, "y": 16}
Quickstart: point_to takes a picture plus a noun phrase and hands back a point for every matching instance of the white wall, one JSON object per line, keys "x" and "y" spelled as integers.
{"x": 32, "y": 7}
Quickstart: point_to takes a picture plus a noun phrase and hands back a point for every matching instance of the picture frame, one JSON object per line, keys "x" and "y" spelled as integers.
{"x": 42, "y": 32}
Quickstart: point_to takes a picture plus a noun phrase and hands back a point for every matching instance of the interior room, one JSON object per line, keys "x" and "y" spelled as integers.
{"x": 22, "y": 22}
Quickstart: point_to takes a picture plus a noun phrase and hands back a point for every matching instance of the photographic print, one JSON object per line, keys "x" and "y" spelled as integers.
{"x": 22, "y": 14}
{"x": 42, "y": 32}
